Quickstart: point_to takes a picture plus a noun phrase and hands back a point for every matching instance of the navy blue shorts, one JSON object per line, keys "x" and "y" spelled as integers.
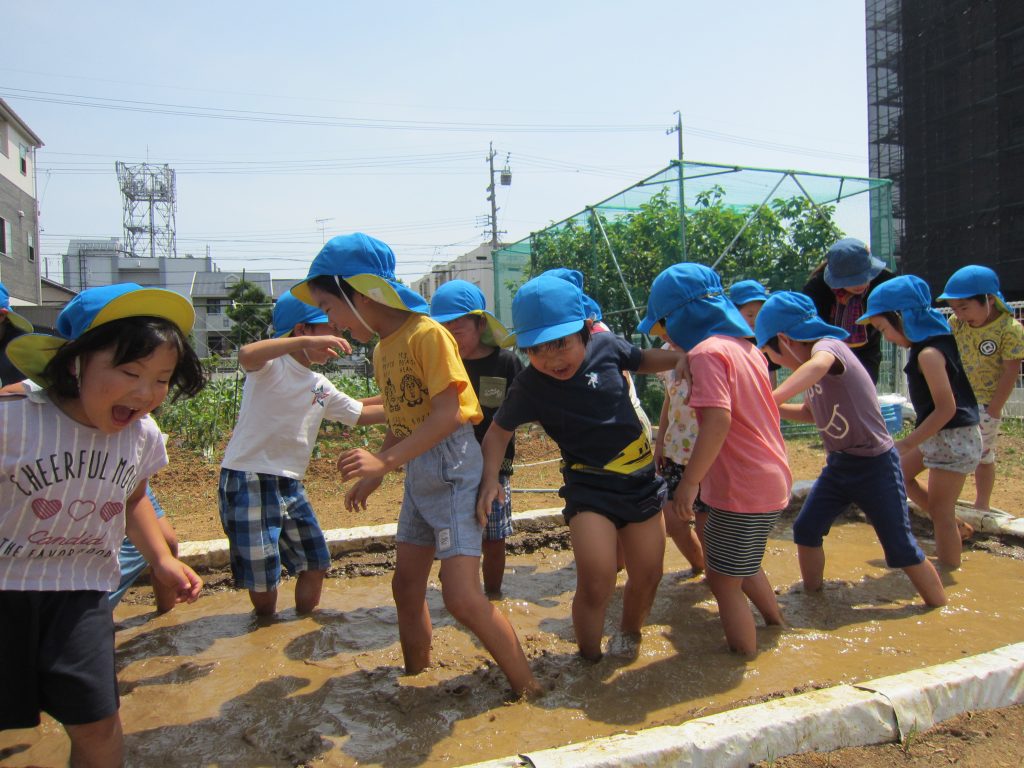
{"x": 57, "y": 652}
{"x": 873, "y": 483}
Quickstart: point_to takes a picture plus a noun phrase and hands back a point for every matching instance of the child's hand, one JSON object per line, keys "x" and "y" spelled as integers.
{"x": 485, "y": 498}
{"x": 186, "y": 583}
{"x": 683, "y": 500}
{"x": 330, "y": 344}
{"x": 359, "y": 462}
{"x": 355, "y": 499}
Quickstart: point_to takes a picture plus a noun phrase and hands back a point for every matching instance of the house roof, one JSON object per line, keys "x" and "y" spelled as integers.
{"x": 11, "y": 116}
{"x": 218, "y": 284}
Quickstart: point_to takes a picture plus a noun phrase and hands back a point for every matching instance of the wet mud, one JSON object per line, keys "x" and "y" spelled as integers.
{"x": 207, "y": 684}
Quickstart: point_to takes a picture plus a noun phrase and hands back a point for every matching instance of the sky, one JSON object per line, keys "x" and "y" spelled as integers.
{"x": 288, "y": 123}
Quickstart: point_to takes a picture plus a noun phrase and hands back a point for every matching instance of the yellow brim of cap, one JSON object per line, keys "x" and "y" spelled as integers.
{"x": 149, "y": 302}
{"x": 17, "y": 320}
{"x": 658, "y": 329}
{"x": 31, "y": 354}
{"x": 499, "y": 333}
{"x": 378, "y": 289}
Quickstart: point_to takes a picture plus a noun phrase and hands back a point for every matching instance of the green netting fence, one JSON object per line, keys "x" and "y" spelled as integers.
{"x": 772, "y": 225}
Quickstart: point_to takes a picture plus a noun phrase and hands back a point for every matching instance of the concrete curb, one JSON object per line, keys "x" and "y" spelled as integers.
{"x": 213, "y": 554}
{"x": 873, "y": 712}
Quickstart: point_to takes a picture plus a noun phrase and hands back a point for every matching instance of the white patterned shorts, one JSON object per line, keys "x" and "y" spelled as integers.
{"x": 953, "y": 450}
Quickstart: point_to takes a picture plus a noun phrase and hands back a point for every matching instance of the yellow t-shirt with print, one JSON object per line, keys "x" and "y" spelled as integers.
{"x": 984, "y": 350}
{"x": 416, "y": 362}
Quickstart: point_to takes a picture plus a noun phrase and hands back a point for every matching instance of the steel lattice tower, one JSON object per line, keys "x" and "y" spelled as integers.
{"x": 149, "y": 203}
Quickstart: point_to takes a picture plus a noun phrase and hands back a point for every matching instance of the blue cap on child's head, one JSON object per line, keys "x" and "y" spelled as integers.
{"x": 368, "y": 265}
{"x": 458, "y": 298}
{"x": 12, "y": 317}
{"x": 910, "y": 296}
{"x": 289, "y": 312}
{"x": 574, "y": 276}
{"x": 691, "y": 301}
{"x": 795, "y": 315}
{"x": 92, "y": 308}
{"x": 973, "y": 280}
{"x": 546, "y": 309}
{"x": 746, "y": 291}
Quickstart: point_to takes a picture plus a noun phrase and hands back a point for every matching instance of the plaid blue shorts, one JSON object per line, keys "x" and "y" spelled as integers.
{"x": 269, "y": 521}
{"x": 499, "y": 522}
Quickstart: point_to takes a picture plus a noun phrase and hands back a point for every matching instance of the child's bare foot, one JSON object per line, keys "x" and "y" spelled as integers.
{"x": 624, "y": 645}
{"x": 965, "y": 529}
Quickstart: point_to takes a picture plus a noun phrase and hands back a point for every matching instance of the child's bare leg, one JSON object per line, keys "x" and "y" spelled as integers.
{"x": 761, "y": 594}
{"x": 943, "y": 490}
{"x": 644, "y": 547}
{"x": 734, "y": 613}
{"x": 460, "y": 586}
{"x": 493, "y": 565}
{"x": 409, "y": 588}
{"x": 166, "y": 595}
{"x": 984, "y": 482}
{"x": 308, "y": 588}
{"x": 594, "y": 545}
{"x": 702, "y": 521}
{"x": 265, "y": 603}
{"x": 685, "y": 537}
{"x": 926, "y": 581}
{"x": 912, "y": 464}
{"x": 98, "y": 744}
{"x": 812, "y": 566}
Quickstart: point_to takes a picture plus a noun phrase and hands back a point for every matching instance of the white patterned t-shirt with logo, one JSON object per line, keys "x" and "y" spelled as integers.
{"x": 63, "y": 488}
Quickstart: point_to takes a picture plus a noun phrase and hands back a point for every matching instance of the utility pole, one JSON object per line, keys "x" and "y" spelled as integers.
{"x": 506, "y": 180}
{"x": 678, "y": 130}
{"x": 323, "y": 230}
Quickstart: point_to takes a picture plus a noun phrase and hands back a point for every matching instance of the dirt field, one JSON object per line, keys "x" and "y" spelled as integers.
{"x": 187, "y": 489}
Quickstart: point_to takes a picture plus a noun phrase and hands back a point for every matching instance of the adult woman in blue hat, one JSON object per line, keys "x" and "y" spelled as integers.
{"x": 839, "y": 287}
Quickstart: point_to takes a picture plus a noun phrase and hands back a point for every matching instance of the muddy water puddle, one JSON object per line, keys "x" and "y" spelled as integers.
{"x": 208, "y": 685}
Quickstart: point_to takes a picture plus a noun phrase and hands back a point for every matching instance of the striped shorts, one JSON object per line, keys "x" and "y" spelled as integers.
{"x": 734, "y": 542}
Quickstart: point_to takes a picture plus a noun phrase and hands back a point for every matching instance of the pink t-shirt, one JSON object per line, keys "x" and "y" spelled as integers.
{"x": 751, "y": 472}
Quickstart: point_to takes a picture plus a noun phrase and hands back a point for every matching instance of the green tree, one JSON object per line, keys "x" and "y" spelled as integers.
{"x": 251, "y": 311}
{"x": 780, "y": 245}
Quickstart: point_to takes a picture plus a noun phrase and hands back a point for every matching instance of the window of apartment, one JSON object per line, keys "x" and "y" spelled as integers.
{"x": 31, "y": 247}
{"x": 3, "y": 138}
{"x": 214, "y": 306}
{"x": 6, "y": 238}
{"x": 23, "y": 155}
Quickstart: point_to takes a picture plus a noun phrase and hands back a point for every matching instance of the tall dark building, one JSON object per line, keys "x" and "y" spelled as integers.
{"x": 946, "y": 124}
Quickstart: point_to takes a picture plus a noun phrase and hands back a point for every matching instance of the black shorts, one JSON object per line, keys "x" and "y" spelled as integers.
{"x": 58, "y": 657}
{"x": 622, "y": 499}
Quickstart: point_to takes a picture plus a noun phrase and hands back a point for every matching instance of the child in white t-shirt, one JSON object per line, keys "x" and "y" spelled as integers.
{"x": 263, "y": 505}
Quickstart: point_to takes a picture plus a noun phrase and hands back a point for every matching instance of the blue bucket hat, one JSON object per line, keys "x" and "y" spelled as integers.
{"x": 13, "y": 317}
{"x": 795, "y": 315}
{"x": 289, "y": 312}
{"x": 746, "y": 291}
{"x": 574, "y": 276}
{"x": 850, "y": 263}
{"x": 974, "y": 280}
{"x": 368, "y": 265}
{"x": 545, "y": 309}
{"x": 691, "y": 300}
{"x": 92, "y": 308}
{"x": 458, "y": 298}
{"x": 908, "y": 295}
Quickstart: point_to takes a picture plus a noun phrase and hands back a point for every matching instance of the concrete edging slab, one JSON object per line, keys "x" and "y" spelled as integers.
{"x": 874, "y": 712}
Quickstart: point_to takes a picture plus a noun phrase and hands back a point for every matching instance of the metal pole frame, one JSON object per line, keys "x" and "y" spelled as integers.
{"x": 615, "y": 261}
{"x": 750, "y": 218}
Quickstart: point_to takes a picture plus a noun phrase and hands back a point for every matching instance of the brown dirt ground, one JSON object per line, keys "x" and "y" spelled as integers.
{"x": 187, "y": 489}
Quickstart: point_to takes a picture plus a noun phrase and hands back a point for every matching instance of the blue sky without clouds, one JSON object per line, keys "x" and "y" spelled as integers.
{"x": 377, "y": 116}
